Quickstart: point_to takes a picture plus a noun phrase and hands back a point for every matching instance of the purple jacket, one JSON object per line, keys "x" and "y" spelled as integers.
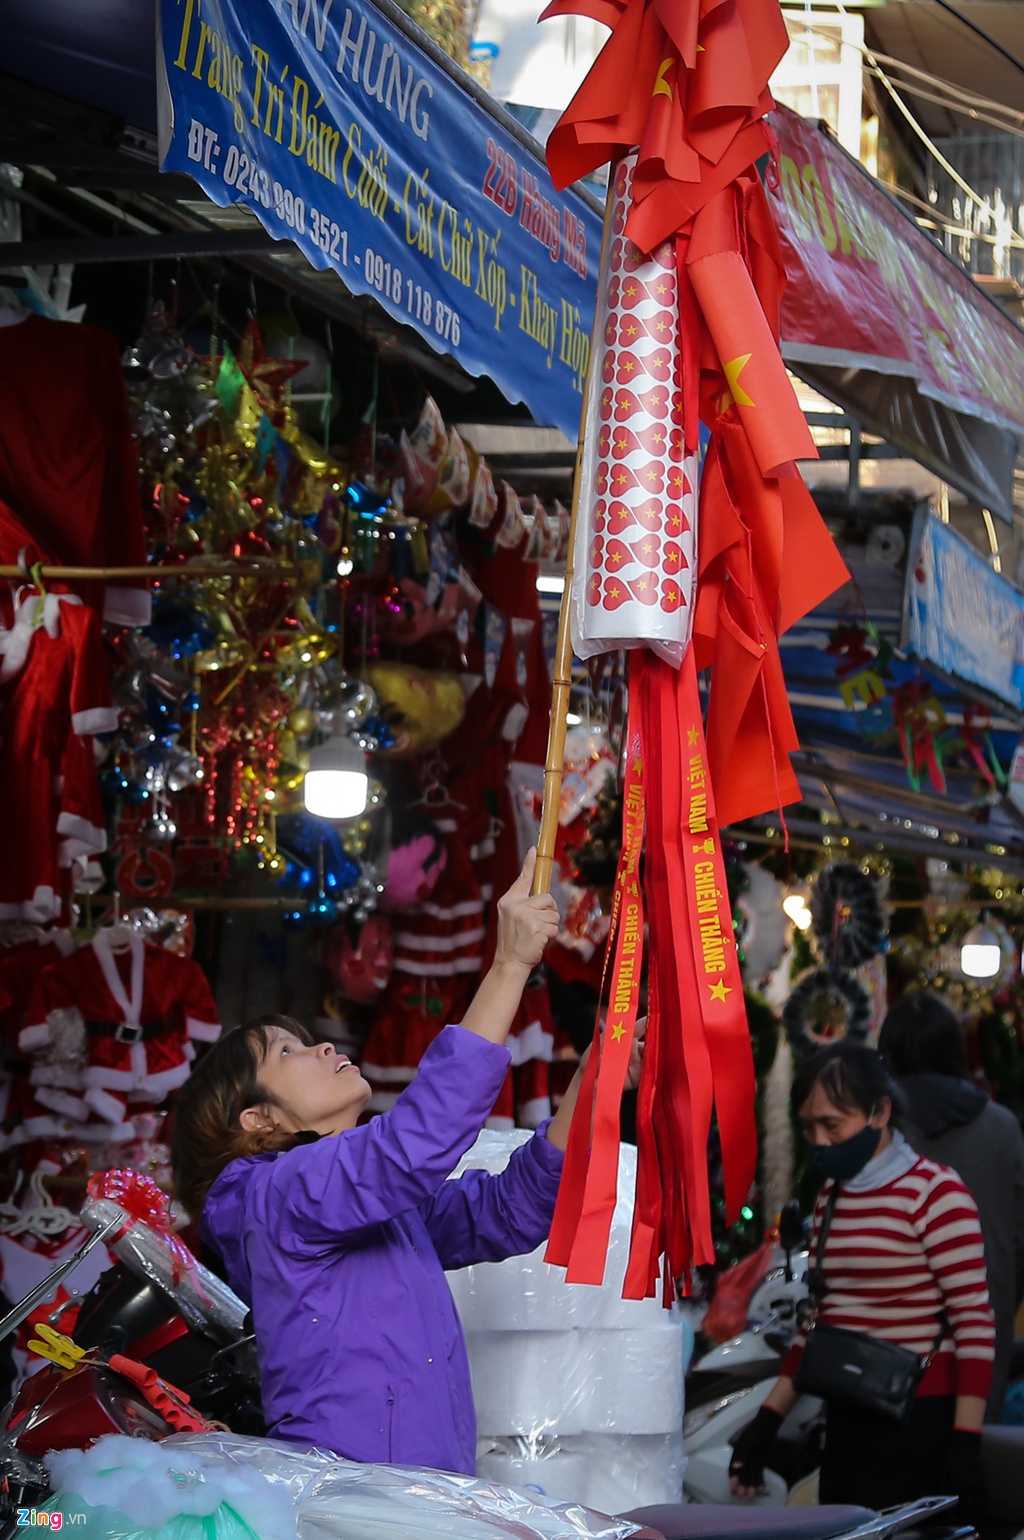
{"x": 339, "y": 1247}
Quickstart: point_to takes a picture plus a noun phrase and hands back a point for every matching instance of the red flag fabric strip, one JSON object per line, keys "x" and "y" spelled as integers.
{"x": 590, "y": 1243}
{"x": 587, "y": 1193}
{"x": 689, "y": 296}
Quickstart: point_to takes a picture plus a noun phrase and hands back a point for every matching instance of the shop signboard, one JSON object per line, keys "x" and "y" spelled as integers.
{"x": 867, "y": 287}
{"x": 342, "y": 134}
{"x": 961, "y": 616}
{"x": 879, "y": 318}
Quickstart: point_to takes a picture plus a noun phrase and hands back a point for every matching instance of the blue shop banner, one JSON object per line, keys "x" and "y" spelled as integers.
{"x": 960, "y": 615}
{"x": 342, "y": 134}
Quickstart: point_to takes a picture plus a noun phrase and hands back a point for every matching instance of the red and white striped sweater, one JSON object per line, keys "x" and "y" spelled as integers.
{"x": 899, "y": 1255}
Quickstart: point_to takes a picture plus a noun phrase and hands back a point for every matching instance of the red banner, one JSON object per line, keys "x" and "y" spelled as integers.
{"x": 867, "y": 288}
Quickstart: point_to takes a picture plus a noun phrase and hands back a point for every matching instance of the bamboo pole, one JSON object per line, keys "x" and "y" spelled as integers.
{"x": 562, "y": 673}
{"x": 229, "y": 569}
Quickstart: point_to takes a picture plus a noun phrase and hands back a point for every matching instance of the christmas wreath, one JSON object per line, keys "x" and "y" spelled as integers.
{"x": 825, "y": 1005}
{"x": 849, "y": 924}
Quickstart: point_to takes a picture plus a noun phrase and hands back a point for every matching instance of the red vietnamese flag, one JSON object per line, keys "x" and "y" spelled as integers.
{"x": 676, "y": 101}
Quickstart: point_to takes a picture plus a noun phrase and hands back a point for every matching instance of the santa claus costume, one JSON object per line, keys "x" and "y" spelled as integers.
{"x": 68, "y": 466}
{"x": 129, "y": 1015}
{"x": 54, "y": 695}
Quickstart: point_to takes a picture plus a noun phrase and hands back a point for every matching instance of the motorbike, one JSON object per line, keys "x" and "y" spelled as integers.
{"x": 727, "y": 1386}
{"x": 160, "y": 1345}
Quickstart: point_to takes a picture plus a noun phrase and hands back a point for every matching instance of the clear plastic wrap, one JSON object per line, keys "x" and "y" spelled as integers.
{"x": 204, "y": 1301}
{"x": 612, "y": 1473}
{"x": 572, "y": 1383}
{"x": 325, "y": 1498}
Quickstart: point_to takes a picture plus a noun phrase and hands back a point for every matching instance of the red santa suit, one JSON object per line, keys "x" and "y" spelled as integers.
{"x": 54, "y": 694}
{"x": 68, "y": 466}
{"x": 136, "y": 1014}
{"x": 21, "y": 965}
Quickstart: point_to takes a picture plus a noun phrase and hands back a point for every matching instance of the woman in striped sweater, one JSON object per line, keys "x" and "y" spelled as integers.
{"x": 904, "y": 1261}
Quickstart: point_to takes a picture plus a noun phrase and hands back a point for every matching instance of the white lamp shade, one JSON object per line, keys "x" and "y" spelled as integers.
{"x": 981, "y": 955}
{"x": 336, "y": 784}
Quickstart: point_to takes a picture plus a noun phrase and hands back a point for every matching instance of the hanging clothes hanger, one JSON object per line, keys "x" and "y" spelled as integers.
{"x": 435, "y": 796}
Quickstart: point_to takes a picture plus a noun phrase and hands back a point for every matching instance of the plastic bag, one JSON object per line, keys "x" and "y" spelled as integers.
{"x": 727, "y": 1313}
{"x": 132, "y": 1489}
{"x": 204, "y": 1301}
{"x": 106, "y": 1524}
{"x": 341, "y": 1500}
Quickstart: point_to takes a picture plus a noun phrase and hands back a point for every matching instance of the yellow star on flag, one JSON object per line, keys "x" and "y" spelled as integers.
{"x": 618, "y": 1032}
{"x": 733, "y": 369}
{"x": 692, "y": 735}
{"x": 719, "y": 991}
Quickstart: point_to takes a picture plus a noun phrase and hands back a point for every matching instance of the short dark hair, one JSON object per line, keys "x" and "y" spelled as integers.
{"x": 921, "y": 1034}
{"x": 852, "y": 1075}
{"x": 208, "y": 1134}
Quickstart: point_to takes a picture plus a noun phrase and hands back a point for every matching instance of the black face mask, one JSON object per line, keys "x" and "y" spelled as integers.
{"x": 839, "y": 1162}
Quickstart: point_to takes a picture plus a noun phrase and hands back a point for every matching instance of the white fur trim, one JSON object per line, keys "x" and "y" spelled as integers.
{"x": 44, "y": 905}
{"x": 131, "y": 1008}
{"x": 167, "y": 1080}
{"x": 42, "y": 1128}
{"x": 109, "y": 1079}
{"x": 102, "y": 1133}
{"x": 127, "y": 606}
{"x": 96, "y": 719}
{"x": 204, "y": 1031}
{"x": 414, "y": 943}
{"x": 60, "y": 1101}
{"x": 438, "y": 970}
{"x": 81, "y": 835}
{"x": 67, "y": 1075}
{"x": 532, "y": 1043}
{"x": 533, "y": 1112}
{"x": 33, "y": 1037}
{"x": 157, "y": 1086}
{"x": 108, "y": 1107}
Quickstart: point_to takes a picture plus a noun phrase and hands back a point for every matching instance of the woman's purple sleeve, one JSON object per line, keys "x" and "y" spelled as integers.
{"x": 483, "y": 1218}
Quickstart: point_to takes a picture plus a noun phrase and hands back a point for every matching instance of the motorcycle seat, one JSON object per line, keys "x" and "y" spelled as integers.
{"x": 711, "y": 1521}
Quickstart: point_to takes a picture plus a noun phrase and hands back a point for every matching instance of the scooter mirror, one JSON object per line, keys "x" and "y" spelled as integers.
{"x": 791, "y": 1227}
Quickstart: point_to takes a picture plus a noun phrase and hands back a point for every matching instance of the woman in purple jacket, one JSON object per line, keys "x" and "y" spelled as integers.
{"x": 338, "y": 1236}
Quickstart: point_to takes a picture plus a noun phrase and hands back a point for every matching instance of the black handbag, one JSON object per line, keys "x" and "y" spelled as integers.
{"x": 853, "y": 1367}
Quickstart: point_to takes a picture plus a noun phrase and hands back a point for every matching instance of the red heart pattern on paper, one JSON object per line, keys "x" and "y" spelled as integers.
{"x": 615, "y": 593}
{"x": 679, "y": 483}
{"x": 598, "y": 516}
{"x": 618, "y": 556}
{"x": 646, "y": 516}
{"x": 645, "y": 478}
{"x": 596, "y": 551}
{"x": 645, "y": 588}
{"x": 672, "y": 596}
{"x": 594, "y": 589}
{"x": 674, "y": 559}
{"x": 608, "y": 400}
{"x": 676, "y": 522}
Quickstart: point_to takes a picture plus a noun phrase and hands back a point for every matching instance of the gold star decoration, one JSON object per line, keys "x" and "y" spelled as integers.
{"x": 618, "y": 1032}
{"x": 719, "y": 991}
{"x": 733, "y": 369}
{"x": 692, "y": 735}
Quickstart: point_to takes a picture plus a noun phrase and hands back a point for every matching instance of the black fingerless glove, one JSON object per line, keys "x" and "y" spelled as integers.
{"x": 967, "y": 1475}
{"x": 752, "y": 1447}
